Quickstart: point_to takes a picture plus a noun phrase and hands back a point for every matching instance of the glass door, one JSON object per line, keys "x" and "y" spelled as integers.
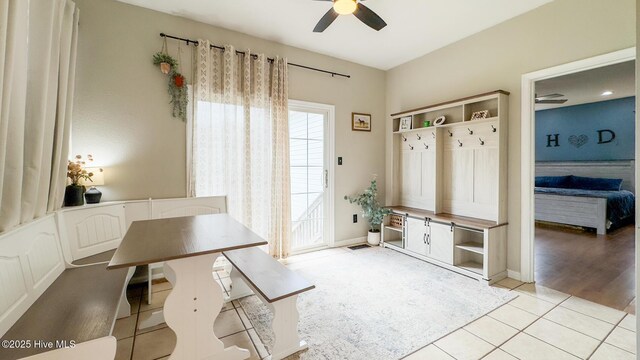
{"x": 309, "y": 177}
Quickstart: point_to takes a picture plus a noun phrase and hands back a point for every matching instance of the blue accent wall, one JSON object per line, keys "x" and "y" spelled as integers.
{"x": 597, "y": 131}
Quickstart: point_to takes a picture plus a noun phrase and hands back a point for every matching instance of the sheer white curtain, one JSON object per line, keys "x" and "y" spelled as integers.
{"x": 37, "y": 61}
{"x": 237, "y": 133}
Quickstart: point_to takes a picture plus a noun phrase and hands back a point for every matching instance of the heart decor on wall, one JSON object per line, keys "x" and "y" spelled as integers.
{"x": 579, "y": 140}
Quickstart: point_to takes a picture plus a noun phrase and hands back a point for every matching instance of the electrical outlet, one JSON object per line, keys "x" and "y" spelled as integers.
{"x": 339, "y": 160}
{"x": 355, "y": 218}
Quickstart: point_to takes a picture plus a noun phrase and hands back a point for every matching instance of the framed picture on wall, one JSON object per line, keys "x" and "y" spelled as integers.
{"x": 360, "y": 122}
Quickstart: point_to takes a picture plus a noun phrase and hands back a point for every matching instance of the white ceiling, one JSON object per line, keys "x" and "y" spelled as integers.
{"x": 415, "y": 27}
{"x": 587, "y": 86}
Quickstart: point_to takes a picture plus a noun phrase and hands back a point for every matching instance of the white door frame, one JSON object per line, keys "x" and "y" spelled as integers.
{"x": 330, "y": 136}
{"x": 528, "y": 156}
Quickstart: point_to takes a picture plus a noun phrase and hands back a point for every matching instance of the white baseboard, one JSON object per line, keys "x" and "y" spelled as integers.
{"x": 514, "y": 274}
{"x": 349, "y": 242}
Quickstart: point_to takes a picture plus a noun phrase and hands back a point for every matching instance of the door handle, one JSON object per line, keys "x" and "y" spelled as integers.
{"x": 424, "y": 238}
{"x": 326, "y": 179}
{"x": 428, "y": 239}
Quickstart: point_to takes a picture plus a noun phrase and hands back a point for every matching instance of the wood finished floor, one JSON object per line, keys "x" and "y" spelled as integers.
{"x": 599, "y": 268}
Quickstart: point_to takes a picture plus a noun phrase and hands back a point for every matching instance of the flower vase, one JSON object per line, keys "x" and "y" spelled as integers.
{"x": 74, "y": 195}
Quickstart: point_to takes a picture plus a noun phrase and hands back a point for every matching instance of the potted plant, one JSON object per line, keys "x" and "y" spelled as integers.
{"x": 371, "y": 210}
{"x": 74, "y": 192}
{"x": 165, "y": 61}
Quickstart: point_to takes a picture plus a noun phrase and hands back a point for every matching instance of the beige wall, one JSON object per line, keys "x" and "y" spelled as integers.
{"x": 122, "y": 116}
{"x": 557, "y": 33}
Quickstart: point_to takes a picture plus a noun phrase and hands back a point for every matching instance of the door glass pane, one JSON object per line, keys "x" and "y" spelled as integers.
{"x": 306, "y": 132}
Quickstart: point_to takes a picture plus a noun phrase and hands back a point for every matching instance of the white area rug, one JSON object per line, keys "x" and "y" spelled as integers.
{"x": 377, "y": 304}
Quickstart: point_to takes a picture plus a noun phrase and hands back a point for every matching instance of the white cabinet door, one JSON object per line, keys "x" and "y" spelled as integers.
{"x": 416, "y": 236}
{"x": 441, "y": 243}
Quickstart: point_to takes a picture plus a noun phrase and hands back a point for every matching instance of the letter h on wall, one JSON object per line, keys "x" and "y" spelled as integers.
{"x": 553, "y": 141}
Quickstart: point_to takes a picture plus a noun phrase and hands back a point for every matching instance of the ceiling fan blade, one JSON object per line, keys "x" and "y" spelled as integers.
{"x": 326, "y": 20}
{"x": 559, "y": 101}
{"x": 368, "y": 17}
{"x": 550, "y": 96}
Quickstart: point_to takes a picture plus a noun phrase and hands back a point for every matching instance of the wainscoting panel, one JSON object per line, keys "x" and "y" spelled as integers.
{"x": 90, "y": 230}
{"x": 30, "y": 260}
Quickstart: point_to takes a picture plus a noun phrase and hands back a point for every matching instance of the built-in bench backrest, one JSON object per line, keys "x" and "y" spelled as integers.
{"x": 34, "y": 254}
{"x": 168, "y": 208}
{"x": 30, "y": 260}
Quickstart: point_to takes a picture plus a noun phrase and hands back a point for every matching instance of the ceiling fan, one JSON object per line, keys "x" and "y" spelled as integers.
{"x": 550, "y": 99}
{"x": 348, "y": 7}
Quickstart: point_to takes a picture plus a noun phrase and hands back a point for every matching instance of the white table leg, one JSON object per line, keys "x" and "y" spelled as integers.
{"x": 191, "y": 309}
{"x": 239, "y": 288}
{"x": 124, "y": 309}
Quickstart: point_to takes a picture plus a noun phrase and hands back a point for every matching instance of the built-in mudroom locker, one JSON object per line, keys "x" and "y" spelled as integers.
{"x": 449, "y": 185}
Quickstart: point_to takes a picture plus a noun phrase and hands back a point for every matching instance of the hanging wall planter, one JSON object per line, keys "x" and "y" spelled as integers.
{"x": 177, "y": 83}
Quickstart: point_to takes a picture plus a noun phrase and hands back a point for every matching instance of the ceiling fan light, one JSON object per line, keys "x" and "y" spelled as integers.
{"x": 345, "y": 7}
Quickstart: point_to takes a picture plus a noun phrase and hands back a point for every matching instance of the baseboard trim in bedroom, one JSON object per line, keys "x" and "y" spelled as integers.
{"x": 514, "y": 275}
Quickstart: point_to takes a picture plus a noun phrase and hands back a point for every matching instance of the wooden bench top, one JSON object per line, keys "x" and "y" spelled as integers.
{"x": 80, "y": 305}
{"x": 154, "y": 241}
{"x": 459, "y": 220}
{"x": 97, "y": 258}
{"x": 272, "y": 279}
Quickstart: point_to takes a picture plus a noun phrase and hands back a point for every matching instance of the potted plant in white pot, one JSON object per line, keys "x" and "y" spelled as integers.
{"x": 371, "y": 210}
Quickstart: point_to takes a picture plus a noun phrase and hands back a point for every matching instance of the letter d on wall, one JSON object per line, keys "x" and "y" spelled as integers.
{"x": 602, "y": 134}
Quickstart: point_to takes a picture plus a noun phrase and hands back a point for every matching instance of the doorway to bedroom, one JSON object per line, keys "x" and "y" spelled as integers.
{"x": 584, "y": 190}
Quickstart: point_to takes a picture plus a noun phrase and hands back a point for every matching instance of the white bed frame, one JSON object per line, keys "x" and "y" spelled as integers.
{"x": 580, "y": 210}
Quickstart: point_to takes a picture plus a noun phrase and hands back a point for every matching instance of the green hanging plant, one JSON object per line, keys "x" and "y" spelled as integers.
{"x": 178, "y": 92}
{"x": 165, "y": 61}
{"x": 177, "y": 83}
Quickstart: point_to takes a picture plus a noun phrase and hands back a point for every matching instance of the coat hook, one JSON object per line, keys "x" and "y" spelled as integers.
{"x": 426, "y": 146}
{"x": 493, "y": 129}
{"x": 411, "y": 146}
{"x": 450, "y": 133}
{"x": 459, "y": 143}
{"x": 404, "y": 138}
{"x": 481, "y": 141}
{"x": 419, "y": 137}
{"x": 470, "y": 131}
{"x": 433, "y": 134}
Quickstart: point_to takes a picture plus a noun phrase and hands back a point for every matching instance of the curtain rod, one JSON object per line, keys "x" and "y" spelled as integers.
{"x": 195, "y": 42}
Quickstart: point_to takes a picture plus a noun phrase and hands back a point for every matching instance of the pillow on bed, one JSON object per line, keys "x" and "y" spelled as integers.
{"x": 587, "y": 183}
{"x": 553, "y": 181}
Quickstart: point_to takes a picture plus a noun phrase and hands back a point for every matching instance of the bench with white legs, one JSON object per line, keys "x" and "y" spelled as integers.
{"x": 255, "y": 272}
{"x": 78, "y": 310}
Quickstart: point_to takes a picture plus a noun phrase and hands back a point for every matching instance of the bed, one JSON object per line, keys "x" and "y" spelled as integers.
{"x": 598, "y": 203}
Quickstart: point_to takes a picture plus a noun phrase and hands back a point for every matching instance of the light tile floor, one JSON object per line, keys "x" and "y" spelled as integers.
{"x": 539, "y": 324}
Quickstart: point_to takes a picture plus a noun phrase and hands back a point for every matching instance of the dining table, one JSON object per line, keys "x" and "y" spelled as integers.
{"x": 188, "y": 246}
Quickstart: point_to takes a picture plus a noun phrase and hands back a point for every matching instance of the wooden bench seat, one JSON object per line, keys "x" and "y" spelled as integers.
{"x": 254, "y": 271}
{"x": 81, "y": 305}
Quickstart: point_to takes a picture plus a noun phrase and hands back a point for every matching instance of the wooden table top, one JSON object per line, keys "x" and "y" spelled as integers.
{"x": 154, "y": 241}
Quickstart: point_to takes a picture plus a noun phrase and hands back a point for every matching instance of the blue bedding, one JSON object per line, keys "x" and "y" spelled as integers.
{"x": 620, "y": 204}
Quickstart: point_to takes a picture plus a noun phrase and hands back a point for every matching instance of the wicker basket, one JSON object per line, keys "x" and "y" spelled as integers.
{"x": 395, "y": 220}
